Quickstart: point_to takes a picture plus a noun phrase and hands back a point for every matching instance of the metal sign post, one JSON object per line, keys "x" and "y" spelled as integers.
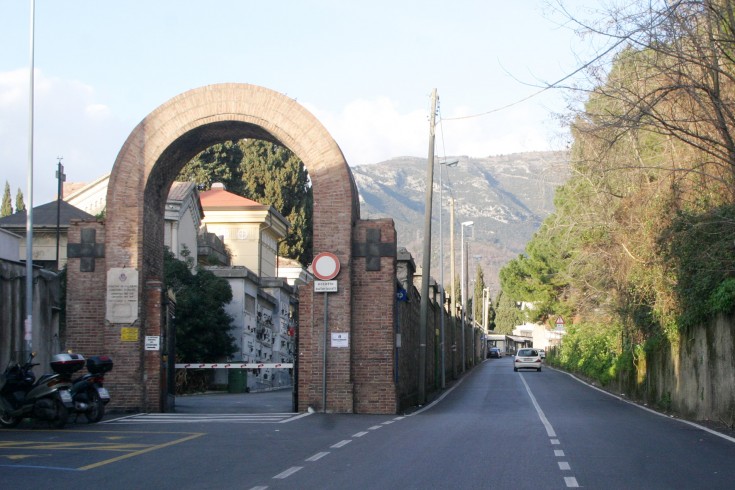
{"x": 325, "y": 268}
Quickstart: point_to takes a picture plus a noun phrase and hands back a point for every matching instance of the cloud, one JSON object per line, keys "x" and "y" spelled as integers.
{"x": 69, "y": 122}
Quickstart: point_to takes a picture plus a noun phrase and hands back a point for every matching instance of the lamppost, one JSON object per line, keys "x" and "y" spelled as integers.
{"x": 452, "y": 163}
{"x": 464, "y": 288}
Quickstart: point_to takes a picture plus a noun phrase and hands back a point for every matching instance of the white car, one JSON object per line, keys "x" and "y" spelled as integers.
{"x": 527, "y": 359}
{"x": 542, "y": 353}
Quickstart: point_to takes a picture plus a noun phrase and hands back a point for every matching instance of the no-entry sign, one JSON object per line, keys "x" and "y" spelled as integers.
{"x": 325, "y": 266}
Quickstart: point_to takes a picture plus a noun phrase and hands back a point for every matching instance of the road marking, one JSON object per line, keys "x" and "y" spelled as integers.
{"x": 143, "y": 451}
{"x": 288, "y": 472}
{"x": 571, "y": 482}
{"x": 261, "y": 487}
{"x": 359, "y": 434}
{"x": 541, "y": 415}
{"x": 197, "y": 418}
{"x": 375, "y": 427}
{"x": 558, "y": 453}
{"x": 317, "y": 456}
{"x": 555, "y": 442}
{"x": 563, "y": 465}
{"x": 341, "y": 443}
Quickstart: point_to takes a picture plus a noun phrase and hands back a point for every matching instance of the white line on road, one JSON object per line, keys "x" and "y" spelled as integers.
{"x": 341, "y": 443}
{"x": 317, "y": 456}
{"x": 375, "y": 427}
{"x": 558, "y": 453}
{"x": 359, "y": 434}
{"x": 571, "y": 482}
{"x": 563, "y": 465}
{"x": 549, "y": 428}
{"x": 288, "y": 472}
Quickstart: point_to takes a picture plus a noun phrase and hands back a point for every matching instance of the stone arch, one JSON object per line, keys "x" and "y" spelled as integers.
{"x": 152, "y": 157}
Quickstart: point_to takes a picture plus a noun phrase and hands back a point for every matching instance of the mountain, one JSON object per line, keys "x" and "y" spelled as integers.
{"x": 506, "y": 196}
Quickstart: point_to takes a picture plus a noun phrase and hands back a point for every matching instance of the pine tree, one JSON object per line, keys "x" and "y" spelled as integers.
{"x": 20, "y": 205}
{"x": 7, "y": 207}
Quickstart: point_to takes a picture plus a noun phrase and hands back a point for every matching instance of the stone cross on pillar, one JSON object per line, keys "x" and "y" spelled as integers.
{"x": 373, "y": 249}
{"x": 86, "y": 251}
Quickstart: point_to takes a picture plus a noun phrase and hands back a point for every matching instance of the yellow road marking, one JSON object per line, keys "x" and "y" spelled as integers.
{"x": 143, "y": 451}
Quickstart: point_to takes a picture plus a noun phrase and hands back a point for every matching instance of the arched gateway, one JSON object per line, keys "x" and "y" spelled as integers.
{"x": 115, "y": 275}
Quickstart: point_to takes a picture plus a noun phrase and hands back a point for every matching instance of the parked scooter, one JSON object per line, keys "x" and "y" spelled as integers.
{"x": 88, "y": 391}
{"x": 47, "y": 398}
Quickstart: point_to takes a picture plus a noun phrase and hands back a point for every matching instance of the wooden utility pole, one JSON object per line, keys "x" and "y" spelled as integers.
{"x": 426, "y": 267}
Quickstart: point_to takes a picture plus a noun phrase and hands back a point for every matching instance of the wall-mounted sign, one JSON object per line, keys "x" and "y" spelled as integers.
{"x": 340, "y": 339}
{"x": 152, "y": 342}
{"x": 129, "y": 334}
{"x": 122, "y": 295}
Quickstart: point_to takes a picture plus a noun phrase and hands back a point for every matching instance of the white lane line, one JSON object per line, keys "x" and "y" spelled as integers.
{"x": 297, "y": 417}
{"x": 558, "y": 453}
{"x": 555, "y": 442}
{"x": 341, "y": 443}
{"x": 288, "y": 472}
{"x": 359, "y": 434}
{"x": 571, "y": 482}
{"x": 549, "y": 428}
{"x": 399, "y": 418}
{"x": 630, "y": 402}
{"x": 317, "y": 456}
{"x": 261, "y": 487}
{"x": 563, "y": 465}
{"x": 388, "y": 422}
{"x": 375, "y": 427}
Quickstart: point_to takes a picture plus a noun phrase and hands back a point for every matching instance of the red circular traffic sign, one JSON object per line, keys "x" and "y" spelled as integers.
{"x": 325, "y": 266}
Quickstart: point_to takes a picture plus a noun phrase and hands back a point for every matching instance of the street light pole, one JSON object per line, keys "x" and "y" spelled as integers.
{"x": 463, "y": 287}
{"x": 452, "y": 163}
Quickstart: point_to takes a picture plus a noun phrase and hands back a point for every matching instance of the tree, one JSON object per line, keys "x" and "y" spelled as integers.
{"x": 202, "y": 324}
{"x": 7, "y": 207}
{"x": 508, "y": 315}
{"x": 19, "y": 204}
{"x": 477, "y": 296}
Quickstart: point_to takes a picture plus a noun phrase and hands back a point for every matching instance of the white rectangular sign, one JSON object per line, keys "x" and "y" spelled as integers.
{"x": 152, "y": 342}
{"x": 325, "y": 286}
{"x": 340, "y": 339}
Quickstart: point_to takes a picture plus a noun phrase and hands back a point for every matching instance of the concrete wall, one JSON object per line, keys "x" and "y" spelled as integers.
{"x": 46, "y": 304}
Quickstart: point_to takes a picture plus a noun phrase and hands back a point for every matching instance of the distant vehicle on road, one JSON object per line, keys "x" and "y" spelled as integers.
{"x": 495, "y": 352}
{"x": 542, "y": 353}
{"x": 527, "y": 359}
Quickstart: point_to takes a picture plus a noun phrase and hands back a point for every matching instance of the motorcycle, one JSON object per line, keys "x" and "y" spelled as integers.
{"x": 47, "y": 398}
{"x": 88, "y": 391}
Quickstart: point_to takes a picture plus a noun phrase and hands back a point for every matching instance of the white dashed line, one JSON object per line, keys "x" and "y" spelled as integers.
{"x": 288, "y": 472}
{"x": 571, "y": 482}
{"x": 341, "y": 443}
{"x": 375, "y": 427}
{"x": 388, "y": 422}
{"x": 261, "y": 487}
{"x": 563, "y": 465}
{"x": 555, "y": 442}
{"x": 359, "y": 434}
{"x": 317, "y": 456}
{"x": 558, "y": 453}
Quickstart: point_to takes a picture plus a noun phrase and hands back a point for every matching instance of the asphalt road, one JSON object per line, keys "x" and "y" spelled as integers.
{"x": 493, "y": 429}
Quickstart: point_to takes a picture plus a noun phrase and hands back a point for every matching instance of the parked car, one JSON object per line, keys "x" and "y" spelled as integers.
{"x": 527, "y": 359}
{"x": 542, "y": 353}
{"x": 495, "y": 352}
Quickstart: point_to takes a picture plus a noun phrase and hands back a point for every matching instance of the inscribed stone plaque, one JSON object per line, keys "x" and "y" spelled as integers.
{"x": 122, "y": 295}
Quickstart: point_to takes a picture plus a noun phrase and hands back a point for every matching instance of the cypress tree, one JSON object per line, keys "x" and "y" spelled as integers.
{"x": 7, "y": 207}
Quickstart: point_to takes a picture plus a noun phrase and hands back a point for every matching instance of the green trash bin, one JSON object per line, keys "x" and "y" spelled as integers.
{"x": 236, "y": 380}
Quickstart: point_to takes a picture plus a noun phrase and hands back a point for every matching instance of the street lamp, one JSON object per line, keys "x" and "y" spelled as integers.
{"x": 464, "y": 288}
{"x": 452, "y": 163}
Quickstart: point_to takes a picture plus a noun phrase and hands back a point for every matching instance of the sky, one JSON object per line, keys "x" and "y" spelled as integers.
{"x": 366, "y": 70}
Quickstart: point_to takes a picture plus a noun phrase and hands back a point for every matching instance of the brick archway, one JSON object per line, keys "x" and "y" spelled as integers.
{"x": 170, "y": 136}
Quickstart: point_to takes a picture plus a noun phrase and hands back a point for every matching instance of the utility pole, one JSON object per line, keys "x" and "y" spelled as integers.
{"x": 60, "y": 177}
{"x": 426, "y": 267}
{"x": 28, "y": 327}
{"x": 452, "y": 289}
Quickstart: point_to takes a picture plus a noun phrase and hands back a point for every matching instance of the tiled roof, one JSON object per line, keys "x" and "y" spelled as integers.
{"x": 218, "y": 198}
{"x": 45, "y": 215}
{"x": 179, "y": 190}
